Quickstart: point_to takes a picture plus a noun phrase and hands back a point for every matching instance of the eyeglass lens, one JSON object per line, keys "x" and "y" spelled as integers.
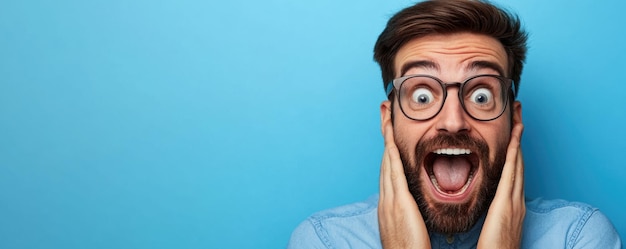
{"x": 482, "y": 97}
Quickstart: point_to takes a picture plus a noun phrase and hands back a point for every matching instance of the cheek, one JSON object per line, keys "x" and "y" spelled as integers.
{"x": 499, "y": 141}
{"x": 406, "y": 138}
{"x": 403, "y": 142}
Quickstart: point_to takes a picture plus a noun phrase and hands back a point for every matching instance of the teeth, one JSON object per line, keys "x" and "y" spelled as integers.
{"x": 453, "y": 151}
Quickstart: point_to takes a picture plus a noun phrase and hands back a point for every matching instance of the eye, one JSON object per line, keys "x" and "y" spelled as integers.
{"x": 422, "y": 96}
{"x": 481, "y": 96}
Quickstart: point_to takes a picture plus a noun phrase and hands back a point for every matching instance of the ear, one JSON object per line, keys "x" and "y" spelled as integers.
{"x": 517, "y": 113}
{"x": 385, "y": 114}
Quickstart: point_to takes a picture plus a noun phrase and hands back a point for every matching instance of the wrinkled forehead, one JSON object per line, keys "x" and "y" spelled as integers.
{"x": 464, "y": 53}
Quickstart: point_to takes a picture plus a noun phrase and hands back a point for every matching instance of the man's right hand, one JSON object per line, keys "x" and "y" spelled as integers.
{"x": 399, "y": 220}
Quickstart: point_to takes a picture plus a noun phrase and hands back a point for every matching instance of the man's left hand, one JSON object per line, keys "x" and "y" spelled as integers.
{"x": 503, "y": 225}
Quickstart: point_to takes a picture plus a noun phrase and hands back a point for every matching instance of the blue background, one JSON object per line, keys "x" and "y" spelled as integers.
{"x": 223, "y": 124}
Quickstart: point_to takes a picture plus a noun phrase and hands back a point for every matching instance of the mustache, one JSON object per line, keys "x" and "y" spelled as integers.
{"x": 451, "y": 140}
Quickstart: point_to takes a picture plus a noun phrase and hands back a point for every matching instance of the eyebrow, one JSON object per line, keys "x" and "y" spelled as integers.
{"x": 486, "y": 64}
{"x": 426, "y": 64}
{"x": 418, "y": 64}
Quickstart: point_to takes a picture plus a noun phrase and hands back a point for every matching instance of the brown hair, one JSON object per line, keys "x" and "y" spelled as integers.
{"x": 447, "y": 17}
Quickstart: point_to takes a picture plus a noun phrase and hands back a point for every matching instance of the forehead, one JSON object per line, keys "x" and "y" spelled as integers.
{"x": 459, "y": 52}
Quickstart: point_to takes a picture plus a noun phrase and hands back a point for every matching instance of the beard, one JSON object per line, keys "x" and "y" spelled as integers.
{"x": 453, "y": 217}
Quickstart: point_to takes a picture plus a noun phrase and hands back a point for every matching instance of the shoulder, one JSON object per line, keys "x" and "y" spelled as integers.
{"x": 350, "y": 226}
{"x": 560, "y": 223}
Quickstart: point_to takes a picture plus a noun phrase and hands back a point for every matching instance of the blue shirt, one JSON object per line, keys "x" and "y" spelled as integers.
{"x": 547, "y": 224}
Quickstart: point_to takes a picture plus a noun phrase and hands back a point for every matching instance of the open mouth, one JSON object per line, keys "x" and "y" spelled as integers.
{"x": 451, "y": 170}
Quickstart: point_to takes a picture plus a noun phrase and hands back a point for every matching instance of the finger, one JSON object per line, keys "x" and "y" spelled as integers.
{"x": 381, "y": 181}
{"x": 519, "y": 183}
{"x": 518, "y": 192}
{"x": 518, "y": 188}
{"x": 398, "y": 177}
{"x": 516, "y": 132}
{"x": 388, "y": 134}
{"x": 385, "y": 177}
{"x": 387, "y": 196}
{"x": 508, "y": 177}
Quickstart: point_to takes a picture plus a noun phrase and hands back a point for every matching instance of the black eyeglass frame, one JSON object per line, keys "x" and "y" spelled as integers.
{"x": 397, "y": 84}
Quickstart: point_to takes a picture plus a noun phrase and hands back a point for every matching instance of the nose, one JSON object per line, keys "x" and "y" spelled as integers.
{"x": 452, "y": 117}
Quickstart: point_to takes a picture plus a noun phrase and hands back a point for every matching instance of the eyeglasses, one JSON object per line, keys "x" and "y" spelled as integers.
{"x": 483, "y": 97}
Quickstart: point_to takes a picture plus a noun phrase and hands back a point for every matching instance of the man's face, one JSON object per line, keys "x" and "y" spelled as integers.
{"x": 452, "y": 189}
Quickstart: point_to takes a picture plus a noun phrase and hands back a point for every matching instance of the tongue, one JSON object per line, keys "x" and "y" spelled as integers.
{"x": 451, "y": 172}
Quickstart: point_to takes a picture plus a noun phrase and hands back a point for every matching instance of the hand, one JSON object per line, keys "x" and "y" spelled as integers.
{"x": 503, "y": 225}
{"x": 399, "y": 220}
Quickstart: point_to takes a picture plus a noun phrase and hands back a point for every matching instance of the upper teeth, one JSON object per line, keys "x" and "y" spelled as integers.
{"x": 452, "y": 151}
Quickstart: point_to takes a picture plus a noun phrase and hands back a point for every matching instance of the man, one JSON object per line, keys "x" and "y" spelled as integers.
{"x": 452, "y": 169}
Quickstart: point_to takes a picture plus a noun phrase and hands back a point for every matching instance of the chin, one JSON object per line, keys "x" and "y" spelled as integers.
{"x": 454, "y": 212}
